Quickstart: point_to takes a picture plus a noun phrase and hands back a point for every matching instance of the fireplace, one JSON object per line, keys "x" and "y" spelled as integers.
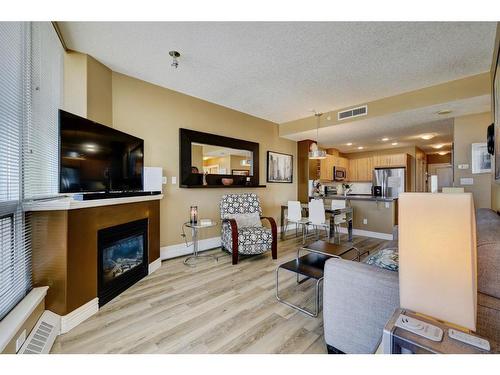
{"x": 122, "y": 258}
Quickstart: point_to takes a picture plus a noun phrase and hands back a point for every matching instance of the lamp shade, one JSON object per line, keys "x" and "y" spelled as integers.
{"x": 437, "y": 256}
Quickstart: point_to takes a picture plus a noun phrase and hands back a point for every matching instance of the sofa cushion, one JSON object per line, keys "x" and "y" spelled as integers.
{"x": 488, "y": 252}
{"x": 387, "y": 259}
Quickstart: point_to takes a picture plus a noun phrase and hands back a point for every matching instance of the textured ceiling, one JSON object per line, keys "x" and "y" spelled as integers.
{"x": 404, "y": 128}
{"x": 279, "y": 71}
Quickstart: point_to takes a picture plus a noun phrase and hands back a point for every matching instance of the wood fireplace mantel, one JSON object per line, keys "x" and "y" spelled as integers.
{"x": 64, "y": 245}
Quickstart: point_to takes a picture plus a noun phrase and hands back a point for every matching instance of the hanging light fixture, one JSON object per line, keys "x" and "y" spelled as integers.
{"x": 314, "y": 151}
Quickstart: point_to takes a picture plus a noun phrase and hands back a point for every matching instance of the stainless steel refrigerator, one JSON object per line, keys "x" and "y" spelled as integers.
{"x": 391, "y": 180}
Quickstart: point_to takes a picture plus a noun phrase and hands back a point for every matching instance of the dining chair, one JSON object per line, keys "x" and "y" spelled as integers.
{"x": 317, "y": 216}
{"x": 294, "y": 215}
{"x": 338, "y": 219}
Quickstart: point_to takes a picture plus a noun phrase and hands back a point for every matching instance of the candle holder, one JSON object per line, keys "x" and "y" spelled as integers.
{"x": 193, "y": 215}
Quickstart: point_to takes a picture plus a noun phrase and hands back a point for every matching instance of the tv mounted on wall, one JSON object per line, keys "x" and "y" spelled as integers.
{"x": 97, "y": 158}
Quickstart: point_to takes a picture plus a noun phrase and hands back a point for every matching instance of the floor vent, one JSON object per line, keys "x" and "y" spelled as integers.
{"x": 353, "y": 112}
{"x": 43, "y": 335}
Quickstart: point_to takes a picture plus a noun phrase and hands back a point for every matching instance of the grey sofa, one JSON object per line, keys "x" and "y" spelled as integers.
{"x": 359, "y": 298}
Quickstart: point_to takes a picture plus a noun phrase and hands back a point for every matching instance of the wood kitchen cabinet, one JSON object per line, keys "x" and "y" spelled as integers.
{"x": 327, "y": 165}
{"x": 360, "y": 170}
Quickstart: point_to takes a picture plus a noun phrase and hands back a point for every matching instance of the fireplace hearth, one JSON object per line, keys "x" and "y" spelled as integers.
{"x": 122, "y": 258}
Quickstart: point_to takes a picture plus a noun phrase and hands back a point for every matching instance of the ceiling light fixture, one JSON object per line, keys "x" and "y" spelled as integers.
{"x": 437, "y": 146}
{"x": 442, "y": 152}
{"x": 348, "y": 144}
{"x": 175, "y": 55}
{"x": 315, "y": 152}
{"x": 427, "y": 136}
{"x": 394, "y": 143}
{"x": 360, "y": 147}
{"x": 385, "y": 139}
{"x": 444, "y": 112}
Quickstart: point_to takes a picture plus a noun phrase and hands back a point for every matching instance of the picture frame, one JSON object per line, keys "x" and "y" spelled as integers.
{"x": 240, "y": 172}
{"x": 481, "y": 159}
{"x": 279, "y": 167}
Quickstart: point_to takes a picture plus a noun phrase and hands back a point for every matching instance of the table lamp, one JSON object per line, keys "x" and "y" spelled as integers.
{"x": 437, "y": 256}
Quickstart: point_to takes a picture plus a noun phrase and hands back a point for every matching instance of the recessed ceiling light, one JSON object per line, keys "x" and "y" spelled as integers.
{"x": 442, "y": 152}
{"x": 394, "y": 143}
{"x": 385, "y": 139}
{"x": 444, "y": 112}
{"x": 349, "y": 144}
{"x": 427, "y": 136}
{"x": 437, "y": 146}
{"x": 360, "y": 147}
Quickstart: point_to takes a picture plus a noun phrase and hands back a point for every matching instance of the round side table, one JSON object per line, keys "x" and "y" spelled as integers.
{"x": 195, "y": 228}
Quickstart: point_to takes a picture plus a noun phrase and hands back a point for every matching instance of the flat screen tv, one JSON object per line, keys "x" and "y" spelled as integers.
{"x": 95, "y": 157}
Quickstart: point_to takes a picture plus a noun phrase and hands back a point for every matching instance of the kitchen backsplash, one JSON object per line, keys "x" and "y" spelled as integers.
{"x": 356, "y": 187}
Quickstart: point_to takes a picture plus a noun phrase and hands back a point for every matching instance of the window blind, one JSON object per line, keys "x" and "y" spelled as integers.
{"x": 30, "y": 93}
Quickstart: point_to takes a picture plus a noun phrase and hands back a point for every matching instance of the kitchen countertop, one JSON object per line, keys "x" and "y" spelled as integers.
{"x": 361, "y": 197}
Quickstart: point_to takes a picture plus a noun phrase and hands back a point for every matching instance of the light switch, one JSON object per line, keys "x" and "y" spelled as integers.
{"x": 365, "y": 221}
{"x": 387, "y": 205}
{"x": 466, "y": 181}
{"x": 164, "y": 180}
{"x": 463, "y": 166}
{"x": 174, "y": 180}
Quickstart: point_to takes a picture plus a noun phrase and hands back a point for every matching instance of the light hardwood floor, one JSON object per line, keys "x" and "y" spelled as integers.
{"x": 214, "y": 307}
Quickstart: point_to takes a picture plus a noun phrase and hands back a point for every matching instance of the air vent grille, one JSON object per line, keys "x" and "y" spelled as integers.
{"x": 353, "y": 112}
{"x": 43, "y": 335}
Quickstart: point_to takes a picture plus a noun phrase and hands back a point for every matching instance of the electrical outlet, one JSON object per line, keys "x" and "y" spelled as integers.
{"x": 387, "y": 205}
{"x": 164, "y": 180}
{"x": 174, "y": 180}
{"x": 20, "y": 340}
{"x": 365, "y": 221}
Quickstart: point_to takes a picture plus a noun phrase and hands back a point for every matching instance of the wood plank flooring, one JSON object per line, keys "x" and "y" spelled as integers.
{"x": 214, "y": 307}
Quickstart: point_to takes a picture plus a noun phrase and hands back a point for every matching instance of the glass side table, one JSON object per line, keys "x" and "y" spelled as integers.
{"x": 195, "y": 228}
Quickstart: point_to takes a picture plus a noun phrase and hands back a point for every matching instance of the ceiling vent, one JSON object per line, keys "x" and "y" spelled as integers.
{"x": 43, "y": 335}
{"x": 353, "y": 112}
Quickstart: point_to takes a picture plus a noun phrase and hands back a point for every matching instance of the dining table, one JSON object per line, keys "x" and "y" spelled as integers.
{"x": 332, "y": 211}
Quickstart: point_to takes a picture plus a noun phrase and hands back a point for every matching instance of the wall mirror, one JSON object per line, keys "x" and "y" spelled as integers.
{"x": 210, "y": 160}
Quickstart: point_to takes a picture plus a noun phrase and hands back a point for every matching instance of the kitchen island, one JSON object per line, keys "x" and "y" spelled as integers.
{"x": 372, "y": 216}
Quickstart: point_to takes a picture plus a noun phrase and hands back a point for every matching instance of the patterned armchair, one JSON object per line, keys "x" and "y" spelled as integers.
{"x": 246, "y": 240}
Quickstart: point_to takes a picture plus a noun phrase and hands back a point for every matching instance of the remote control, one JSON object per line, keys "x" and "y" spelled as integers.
{"x": 469, "y": 339}
{"x": 420, "y": 328}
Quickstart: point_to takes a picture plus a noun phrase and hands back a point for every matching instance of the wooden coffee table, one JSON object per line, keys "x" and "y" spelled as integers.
{"x": 312, "y": 266}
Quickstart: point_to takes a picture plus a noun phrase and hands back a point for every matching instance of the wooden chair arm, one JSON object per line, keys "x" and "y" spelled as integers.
{"x": 234, "y": 238}
{"x": 274, "y": 231}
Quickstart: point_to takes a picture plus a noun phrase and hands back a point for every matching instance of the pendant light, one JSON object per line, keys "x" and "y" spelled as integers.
{"x": 314, "y": 152}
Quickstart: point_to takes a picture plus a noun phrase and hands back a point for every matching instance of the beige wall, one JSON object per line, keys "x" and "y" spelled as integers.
{"x": 87, "y": 88}
{"x": 156, "y": 114}
{"x": 236, "y": 163}
{"x": 99, "y": 102}
{"x": 449, "y": 91}
{"x": 197, "y": 157}
{"x": 467, "y": 130}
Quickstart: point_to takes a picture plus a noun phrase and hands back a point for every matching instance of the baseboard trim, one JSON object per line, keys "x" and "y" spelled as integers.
{"x": 153, "y": 266}
{"x": 174, "y": 251}
{"x": 368, "y": 233}
{"x": 79, "y": 315}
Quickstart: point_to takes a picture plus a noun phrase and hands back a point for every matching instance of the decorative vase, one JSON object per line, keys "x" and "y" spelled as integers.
{"x": 227, "y": 181}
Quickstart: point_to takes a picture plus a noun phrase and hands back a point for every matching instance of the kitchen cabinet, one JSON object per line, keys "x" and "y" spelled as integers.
{"x": 327, "y": 165}
{"x": 390, "y": 160}
{"x": 360, "y": 170}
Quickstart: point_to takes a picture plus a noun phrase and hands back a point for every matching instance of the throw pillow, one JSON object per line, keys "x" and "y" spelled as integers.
{"x": 386, "y": 258}
{"x": 250, "y": 220}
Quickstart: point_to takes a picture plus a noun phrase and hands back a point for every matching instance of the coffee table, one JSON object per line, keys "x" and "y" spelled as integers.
{"x": 312, "y": 266}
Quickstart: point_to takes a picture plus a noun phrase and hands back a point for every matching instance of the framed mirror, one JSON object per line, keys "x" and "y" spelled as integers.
{"x": 210, "y": 160}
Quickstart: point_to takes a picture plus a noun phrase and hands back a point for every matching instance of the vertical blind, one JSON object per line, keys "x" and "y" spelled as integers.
{"x": 30, "y": 94}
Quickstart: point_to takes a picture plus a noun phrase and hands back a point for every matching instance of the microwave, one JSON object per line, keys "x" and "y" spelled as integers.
{"x": 339, "y": 174}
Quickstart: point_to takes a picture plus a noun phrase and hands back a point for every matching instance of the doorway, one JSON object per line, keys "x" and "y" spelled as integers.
{"x": 444, "y": 172}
